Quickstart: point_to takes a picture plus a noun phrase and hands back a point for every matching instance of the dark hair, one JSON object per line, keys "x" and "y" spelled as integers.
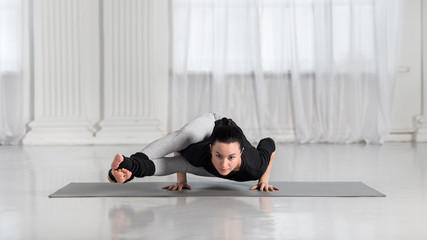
{"x": 227, "y": 131}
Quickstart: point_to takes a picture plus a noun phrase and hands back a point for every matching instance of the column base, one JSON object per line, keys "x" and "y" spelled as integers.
{"x": 57, "y": 132}
{"x": 128, "y": 131}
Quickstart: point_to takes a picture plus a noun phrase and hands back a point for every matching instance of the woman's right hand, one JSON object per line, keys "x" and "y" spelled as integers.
{"x": 177, "y": 186}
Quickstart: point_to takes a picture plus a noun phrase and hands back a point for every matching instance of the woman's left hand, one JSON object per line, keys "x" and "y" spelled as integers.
{"x": 265, "y": 187}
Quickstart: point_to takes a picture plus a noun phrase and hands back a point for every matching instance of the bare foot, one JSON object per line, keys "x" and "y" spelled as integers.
{"x": 116, "y": 162}
{"x": 121, "y": 175}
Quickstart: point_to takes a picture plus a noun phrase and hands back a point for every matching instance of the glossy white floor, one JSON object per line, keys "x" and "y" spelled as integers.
{"x": 29, "y": 174}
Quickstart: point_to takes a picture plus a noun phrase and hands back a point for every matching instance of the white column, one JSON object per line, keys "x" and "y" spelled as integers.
{"x": 128, "y": 94}
{"x": 59, "y": 102}
{"x": 421, "y": 120}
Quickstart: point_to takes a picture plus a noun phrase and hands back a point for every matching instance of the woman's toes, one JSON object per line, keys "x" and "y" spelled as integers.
{"x": 117, "y": 160}
{"x": 127, "y": 173}
{"x": 118, "y": 176}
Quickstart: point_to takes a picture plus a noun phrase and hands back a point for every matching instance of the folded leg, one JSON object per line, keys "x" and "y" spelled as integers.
{"x": 194, "y": 131}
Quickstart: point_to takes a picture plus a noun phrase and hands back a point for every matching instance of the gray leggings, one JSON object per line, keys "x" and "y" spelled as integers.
{"x": 194, "y": 131}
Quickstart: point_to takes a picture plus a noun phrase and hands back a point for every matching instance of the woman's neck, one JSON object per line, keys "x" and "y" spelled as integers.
{"x": 237, "y": 168}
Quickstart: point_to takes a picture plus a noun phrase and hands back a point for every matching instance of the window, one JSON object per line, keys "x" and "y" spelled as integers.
{"x": 276, "y": 34}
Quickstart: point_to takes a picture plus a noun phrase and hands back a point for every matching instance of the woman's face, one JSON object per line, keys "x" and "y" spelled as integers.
{"x": 226, "y": 157}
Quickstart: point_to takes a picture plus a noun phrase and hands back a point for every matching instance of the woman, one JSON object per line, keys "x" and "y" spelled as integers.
{"x": 209, "y": 145}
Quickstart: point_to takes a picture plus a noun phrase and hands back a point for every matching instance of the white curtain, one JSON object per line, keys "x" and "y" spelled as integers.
{"x": 12, "y": 127}
{"x": 310, "y": 70}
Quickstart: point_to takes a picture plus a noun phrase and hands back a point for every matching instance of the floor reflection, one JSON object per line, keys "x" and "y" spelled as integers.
{"x": 220, "y": 218}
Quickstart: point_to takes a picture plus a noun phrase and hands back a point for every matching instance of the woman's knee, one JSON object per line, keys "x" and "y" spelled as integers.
{"x": 217, "y": 116}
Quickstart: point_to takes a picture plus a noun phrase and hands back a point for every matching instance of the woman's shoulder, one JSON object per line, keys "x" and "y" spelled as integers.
{"x": 267, "y": 144}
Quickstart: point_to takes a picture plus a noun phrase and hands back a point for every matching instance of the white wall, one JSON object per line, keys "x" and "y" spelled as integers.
{"x": 407, "y": 100}
{"x": 101, "y": 72}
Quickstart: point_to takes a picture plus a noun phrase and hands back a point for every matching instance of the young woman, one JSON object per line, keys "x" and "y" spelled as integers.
{"x": 209, "y": 145}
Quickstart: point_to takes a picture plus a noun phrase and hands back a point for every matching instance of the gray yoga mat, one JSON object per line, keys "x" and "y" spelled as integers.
{"x": 217, "y": 189}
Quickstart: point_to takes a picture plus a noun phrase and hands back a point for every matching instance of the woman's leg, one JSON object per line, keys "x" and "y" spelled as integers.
{"x": 137, "y": 165}
{"x": 140, "y": 165}
{"x": 177, "y": 164}
{"x": 161, "y": 167}
{"x": 194, "y": 131}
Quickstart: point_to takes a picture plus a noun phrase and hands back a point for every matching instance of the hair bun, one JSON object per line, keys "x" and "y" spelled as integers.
{"x": 227, "y": 131}
{"x": 226, "y": 122}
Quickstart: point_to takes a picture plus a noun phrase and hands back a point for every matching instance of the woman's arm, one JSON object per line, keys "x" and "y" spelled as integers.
{"x": 263, "y": 185}
{"x": 181, "y": 177}
{"x": 181, "y": 181}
